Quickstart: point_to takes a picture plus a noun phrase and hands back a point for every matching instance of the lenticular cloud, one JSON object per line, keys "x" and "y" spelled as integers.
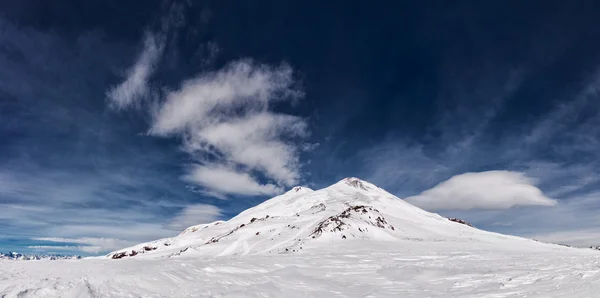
{"x": 485, "y": 190}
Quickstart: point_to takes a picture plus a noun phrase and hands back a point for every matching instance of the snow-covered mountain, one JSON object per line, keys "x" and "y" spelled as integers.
{"x": 350, "y": 212}
{"x": 351, "y": 239}
{"x": 34, "y": 257}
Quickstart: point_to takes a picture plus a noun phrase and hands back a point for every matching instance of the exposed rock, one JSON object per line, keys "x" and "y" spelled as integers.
{"x": 119, "y": 255}
{"x": 338, "y": 224}
{"x": 460, "y": 221}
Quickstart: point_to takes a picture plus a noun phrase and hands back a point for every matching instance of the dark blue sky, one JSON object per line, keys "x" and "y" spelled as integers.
{"x": 122, "y": 122}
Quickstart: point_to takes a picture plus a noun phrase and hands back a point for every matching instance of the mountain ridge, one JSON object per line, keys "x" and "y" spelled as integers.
{"x": 15, "y": 256}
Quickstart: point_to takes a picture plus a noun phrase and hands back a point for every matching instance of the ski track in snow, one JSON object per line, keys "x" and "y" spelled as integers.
{"x": 399, "y": 270}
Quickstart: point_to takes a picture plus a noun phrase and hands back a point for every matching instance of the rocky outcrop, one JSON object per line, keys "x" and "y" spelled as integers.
{"x": 460, "y": 221}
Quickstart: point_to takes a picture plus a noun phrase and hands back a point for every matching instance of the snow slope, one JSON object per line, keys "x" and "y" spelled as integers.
{"x": 351, "y": 239}
{"x": 383, "y": 269}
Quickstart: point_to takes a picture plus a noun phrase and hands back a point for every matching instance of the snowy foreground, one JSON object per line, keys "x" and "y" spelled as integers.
{"x": 352, "y": 239}
{"x": 405, "y": 270}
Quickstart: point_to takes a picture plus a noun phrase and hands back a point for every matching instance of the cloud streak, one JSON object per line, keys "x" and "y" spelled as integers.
{"x": 194, "y": 215}
{"x": 228, "y": 181}
{"x": 136, "y": 86}
{"x": 91, "y": 245}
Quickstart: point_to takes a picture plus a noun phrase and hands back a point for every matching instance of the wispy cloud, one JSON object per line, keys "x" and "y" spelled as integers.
{"x": 91, "y": 245}
{"x": 226, "y": 180}
{"x": 84, "y": 204}
{"x": 54, "y": 247}
{"x": 485, "y": 190}
{"x": 228, "y": 126}
{"x": 225, "y": 117}
{"x": 91, "y": 249}
{"x": 136, "y": 87}
{"x": 502, "y": 224}
{"x": 194, "y": 215}
{"x": 403, "y": 166}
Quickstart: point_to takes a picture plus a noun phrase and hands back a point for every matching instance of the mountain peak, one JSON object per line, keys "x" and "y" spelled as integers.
{"x": 357, "y": 183}
{"x": 299, "y": 189}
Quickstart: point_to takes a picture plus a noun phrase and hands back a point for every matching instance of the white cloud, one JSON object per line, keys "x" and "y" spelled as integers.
{"x": 194, "y": 215}
{"x": 90, "y": 245}
{"x": 225, "y": 180}
{"x": 226, "y": 114}
{"x": 484, "y": 190}
{"x": 254, "y": 141}
{"x": 241, "y": 86}
{"x": 225, "y": 117}
{"x": 136, "y": 87}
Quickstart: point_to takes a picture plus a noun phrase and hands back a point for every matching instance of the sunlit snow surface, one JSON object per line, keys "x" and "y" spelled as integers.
{"x": 369, "y": 244}
{"x": 401, "y": 270}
